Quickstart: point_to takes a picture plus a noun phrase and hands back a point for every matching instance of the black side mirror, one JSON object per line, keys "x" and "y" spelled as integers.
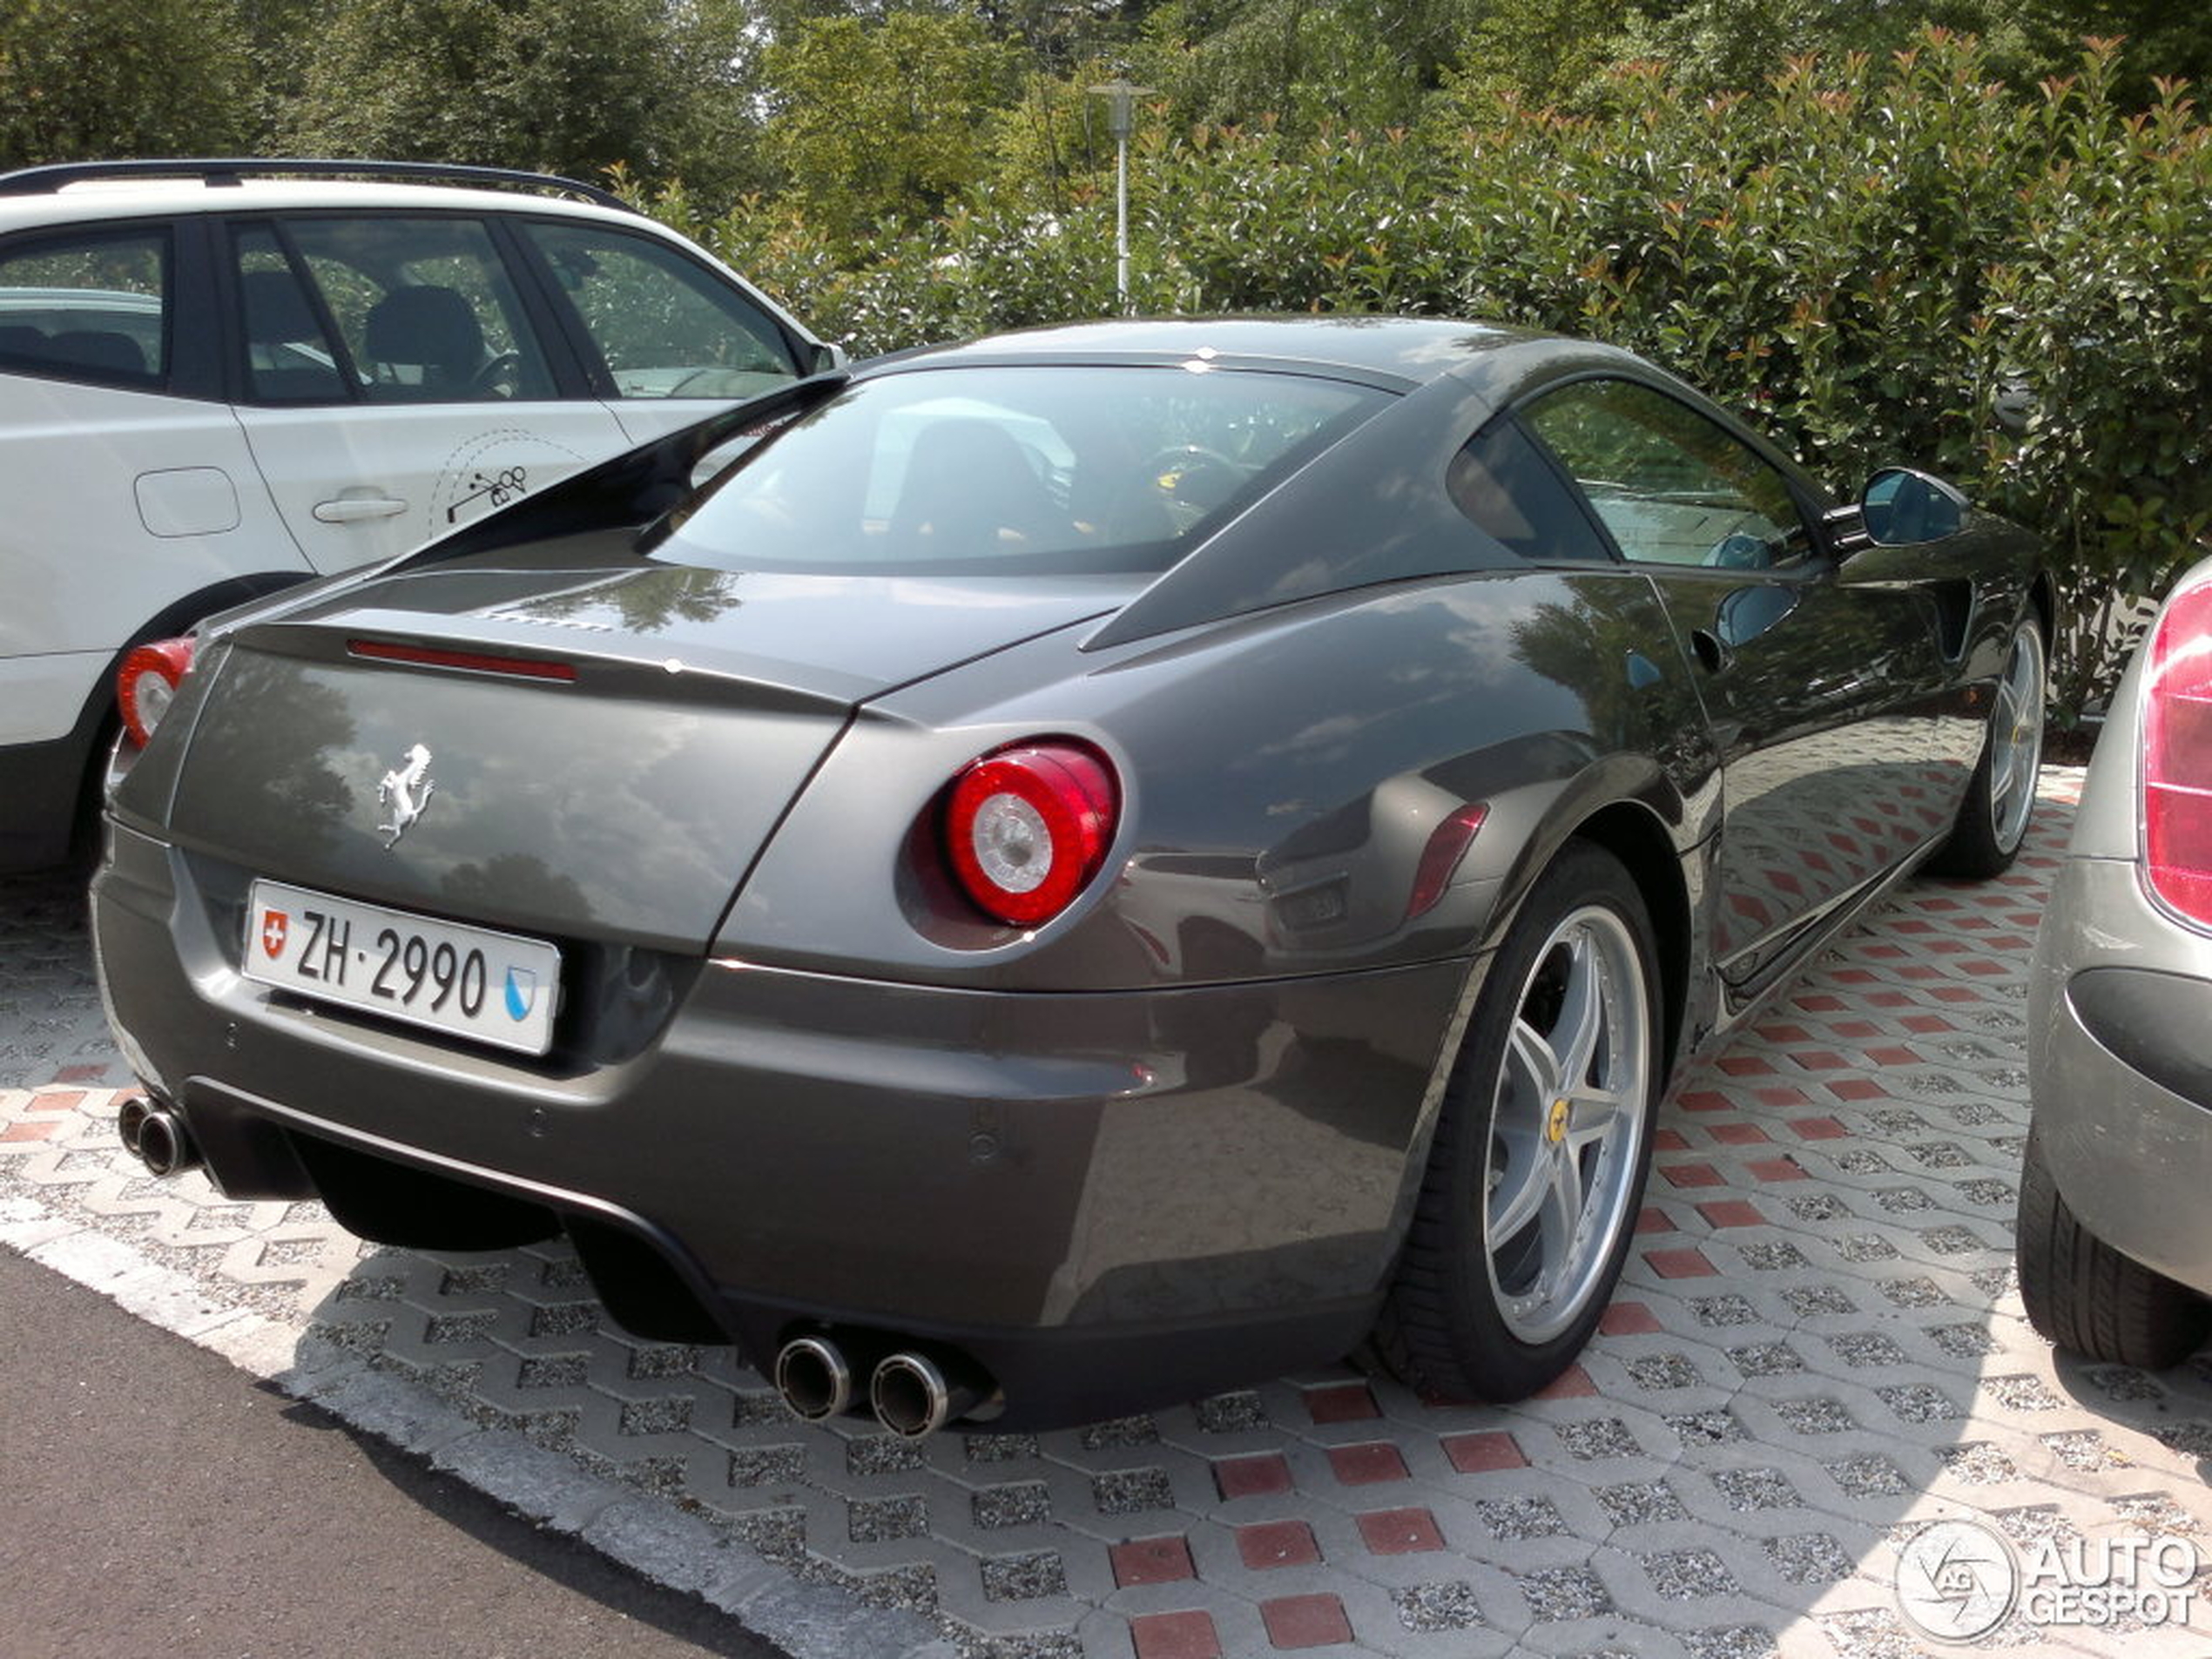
{"x": 1903, "y": 507}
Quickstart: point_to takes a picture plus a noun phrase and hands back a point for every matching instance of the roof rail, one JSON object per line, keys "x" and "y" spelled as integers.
{"x": 233, "y": 170}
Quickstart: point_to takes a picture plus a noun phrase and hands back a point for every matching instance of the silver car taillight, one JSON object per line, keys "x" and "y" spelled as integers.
{"x": 2177, "y": 755}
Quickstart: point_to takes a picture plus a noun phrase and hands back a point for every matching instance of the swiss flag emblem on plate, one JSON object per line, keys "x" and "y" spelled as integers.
{"x": 274, "y": 925}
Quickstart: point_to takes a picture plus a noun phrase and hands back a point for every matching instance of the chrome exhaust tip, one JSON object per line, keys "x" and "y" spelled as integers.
{"x": 129, "y": 1117}
{"x": 159, "y": 1138}
{"x": 914, "y": 1395}
{"x": 815, "y": 1378}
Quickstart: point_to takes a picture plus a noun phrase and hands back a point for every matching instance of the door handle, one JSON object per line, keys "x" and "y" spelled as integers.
{"x": 352, "y": 510}
{"x": 1711, "y": 655}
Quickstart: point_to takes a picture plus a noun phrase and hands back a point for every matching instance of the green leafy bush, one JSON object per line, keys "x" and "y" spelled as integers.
{"x": 1868, "y": 257}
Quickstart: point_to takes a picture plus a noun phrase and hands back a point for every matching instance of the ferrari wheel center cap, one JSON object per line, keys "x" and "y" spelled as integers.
{"x": 1555, "y": 1125}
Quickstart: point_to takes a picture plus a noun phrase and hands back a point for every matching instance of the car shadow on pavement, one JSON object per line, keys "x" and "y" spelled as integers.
{"x": 569, "y": 1568}
{"x": 2173, "y": 1406}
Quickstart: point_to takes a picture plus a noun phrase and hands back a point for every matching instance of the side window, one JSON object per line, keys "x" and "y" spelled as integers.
{"x": 90, "y": 306}
{"x": 289, "y": 358}
{"x": 425, "y": 309}
{"x": 1672, "y": 487}
{"x": 666, "y": 325}
{"x": 1505, "y": 486}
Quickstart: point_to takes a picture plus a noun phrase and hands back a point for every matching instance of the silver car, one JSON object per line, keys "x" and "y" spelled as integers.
{"x": 2115, "y": 1239}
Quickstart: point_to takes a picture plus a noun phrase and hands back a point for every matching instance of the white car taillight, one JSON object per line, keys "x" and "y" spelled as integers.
{"x": 2177, "y": 755}
{"x": 1027, "y": 826}
{"x": 147, "y": 685}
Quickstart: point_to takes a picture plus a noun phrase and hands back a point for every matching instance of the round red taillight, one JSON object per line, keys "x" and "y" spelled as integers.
{"x": 2177, "y": 756}
{"x": 1027, "y": 828}
{"x": 147, "y": 682}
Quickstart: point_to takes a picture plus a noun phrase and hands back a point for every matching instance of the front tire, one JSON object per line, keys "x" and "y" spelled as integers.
{"x": 1537, "y": 1168}
{"x": 2000, "y": 800}
{"x": 2086, "y": 1298}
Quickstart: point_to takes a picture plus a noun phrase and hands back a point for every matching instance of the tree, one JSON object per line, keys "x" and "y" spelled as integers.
{"x": 569, "y": 86}
{"x": 2163, "y": 38}
{"x": 883, "y": 121}
{"x": 1713, "y": 44}
{"x": 1303, "y": 63}
{"x": 1548, "y": 53}
{"x": 1735, "y": 45}
{"x": 83, "y": 80}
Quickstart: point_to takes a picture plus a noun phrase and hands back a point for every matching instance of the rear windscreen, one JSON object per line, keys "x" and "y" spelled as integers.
{"x": 1007, "y": 469}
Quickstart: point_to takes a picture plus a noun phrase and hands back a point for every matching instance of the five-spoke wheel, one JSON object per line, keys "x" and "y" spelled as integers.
{"x": 1542, "y": 1145}
{"x": 1567, "y": 1122}
{"x": 2000, "y": 798}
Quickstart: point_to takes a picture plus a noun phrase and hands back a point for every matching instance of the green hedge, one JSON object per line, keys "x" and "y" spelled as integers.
{"x": 1865, "y": 257}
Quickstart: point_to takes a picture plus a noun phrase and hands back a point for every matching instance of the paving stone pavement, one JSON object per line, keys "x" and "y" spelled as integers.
{"x": 1817, "y": 1347}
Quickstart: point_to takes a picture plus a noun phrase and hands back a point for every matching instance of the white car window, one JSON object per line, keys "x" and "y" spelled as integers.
{"x": 88, "y": 306}
{"x": 664, "y": 325}
{"x": 289, "y": 357}
{"x": 425, "y": 310}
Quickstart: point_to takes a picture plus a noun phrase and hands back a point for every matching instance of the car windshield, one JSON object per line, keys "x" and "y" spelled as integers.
{"x": 1011, "y": 469}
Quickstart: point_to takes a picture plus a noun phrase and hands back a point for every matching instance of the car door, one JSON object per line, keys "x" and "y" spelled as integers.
{"x": 392, "y": 380}
{"x": 667, "y": 338}
{"x": 1821, "y": 692}
{"x": 128, "y": 490}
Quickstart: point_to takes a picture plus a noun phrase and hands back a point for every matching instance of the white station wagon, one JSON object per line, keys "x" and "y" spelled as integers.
{"x": 218, "y": 378}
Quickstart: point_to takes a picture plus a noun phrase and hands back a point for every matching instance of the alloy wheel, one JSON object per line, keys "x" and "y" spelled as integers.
{"x": 2016, "y": 739}
{"x": 1567, "y": 1124}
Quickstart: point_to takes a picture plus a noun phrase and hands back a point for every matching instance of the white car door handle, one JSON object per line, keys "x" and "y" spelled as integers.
{"x": 350, "y": 509}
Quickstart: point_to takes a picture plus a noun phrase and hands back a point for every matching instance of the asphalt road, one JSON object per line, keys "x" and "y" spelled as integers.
{"x": 156, "y": 1504}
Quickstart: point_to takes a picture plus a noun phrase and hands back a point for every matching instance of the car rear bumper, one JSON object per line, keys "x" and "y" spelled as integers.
{"x": 1110, "y": 1200}
{"x": 2118, "y": 1072}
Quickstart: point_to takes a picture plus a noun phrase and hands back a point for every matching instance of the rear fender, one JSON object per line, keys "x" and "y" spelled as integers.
{"x": 1282, "y": 777}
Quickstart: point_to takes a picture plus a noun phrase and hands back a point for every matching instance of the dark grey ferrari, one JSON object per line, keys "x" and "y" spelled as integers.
{"x": 1031, "y": 879}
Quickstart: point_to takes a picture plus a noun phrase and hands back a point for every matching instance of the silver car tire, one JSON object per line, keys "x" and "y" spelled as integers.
{"x": 2086, "y": 1298}
{"x": 1993, "y": 818}
{"x": 1536, "y": 1171}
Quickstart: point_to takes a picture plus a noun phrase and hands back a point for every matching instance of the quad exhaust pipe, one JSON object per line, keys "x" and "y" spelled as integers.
{"x": 815, "y": 1377}
{"x": 155, "y": 1133}
{"x": 916, "y": 1393}
{"x": 913, "y": 1392}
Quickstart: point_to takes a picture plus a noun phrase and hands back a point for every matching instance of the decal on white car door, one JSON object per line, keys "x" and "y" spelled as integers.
{"x": 492, "y": 469}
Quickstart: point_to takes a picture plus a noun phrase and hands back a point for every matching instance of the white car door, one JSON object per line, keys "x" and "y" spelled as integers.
{"x": 395, "y": 385}
{"x": 124, "y": 497}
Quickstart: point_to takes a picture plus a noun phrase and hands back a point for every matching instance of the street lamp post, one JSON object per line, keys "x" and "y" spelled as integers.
{"x": 1121, "y": 103}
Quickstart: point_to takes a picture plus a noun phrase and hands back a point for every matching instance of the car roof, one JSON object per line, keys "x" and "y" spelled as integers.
{"x": 66, "y": 194}
{"x": 1406, "y": 351}
{"x": 106, "y": 198}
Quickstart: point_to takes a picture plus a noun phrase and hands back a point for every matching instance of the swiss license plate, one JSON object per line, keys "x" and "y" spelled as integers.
{"x": 490, "y": 987}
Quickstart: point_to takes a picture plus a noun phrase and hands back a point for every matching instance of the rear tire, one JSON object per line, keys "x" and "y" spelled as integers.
{"x": 2086, "y": 1296}
{"x": 2000, "y": 800}
{"x": 1536, "y": 1171}
{"x": 85, "y": 826}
